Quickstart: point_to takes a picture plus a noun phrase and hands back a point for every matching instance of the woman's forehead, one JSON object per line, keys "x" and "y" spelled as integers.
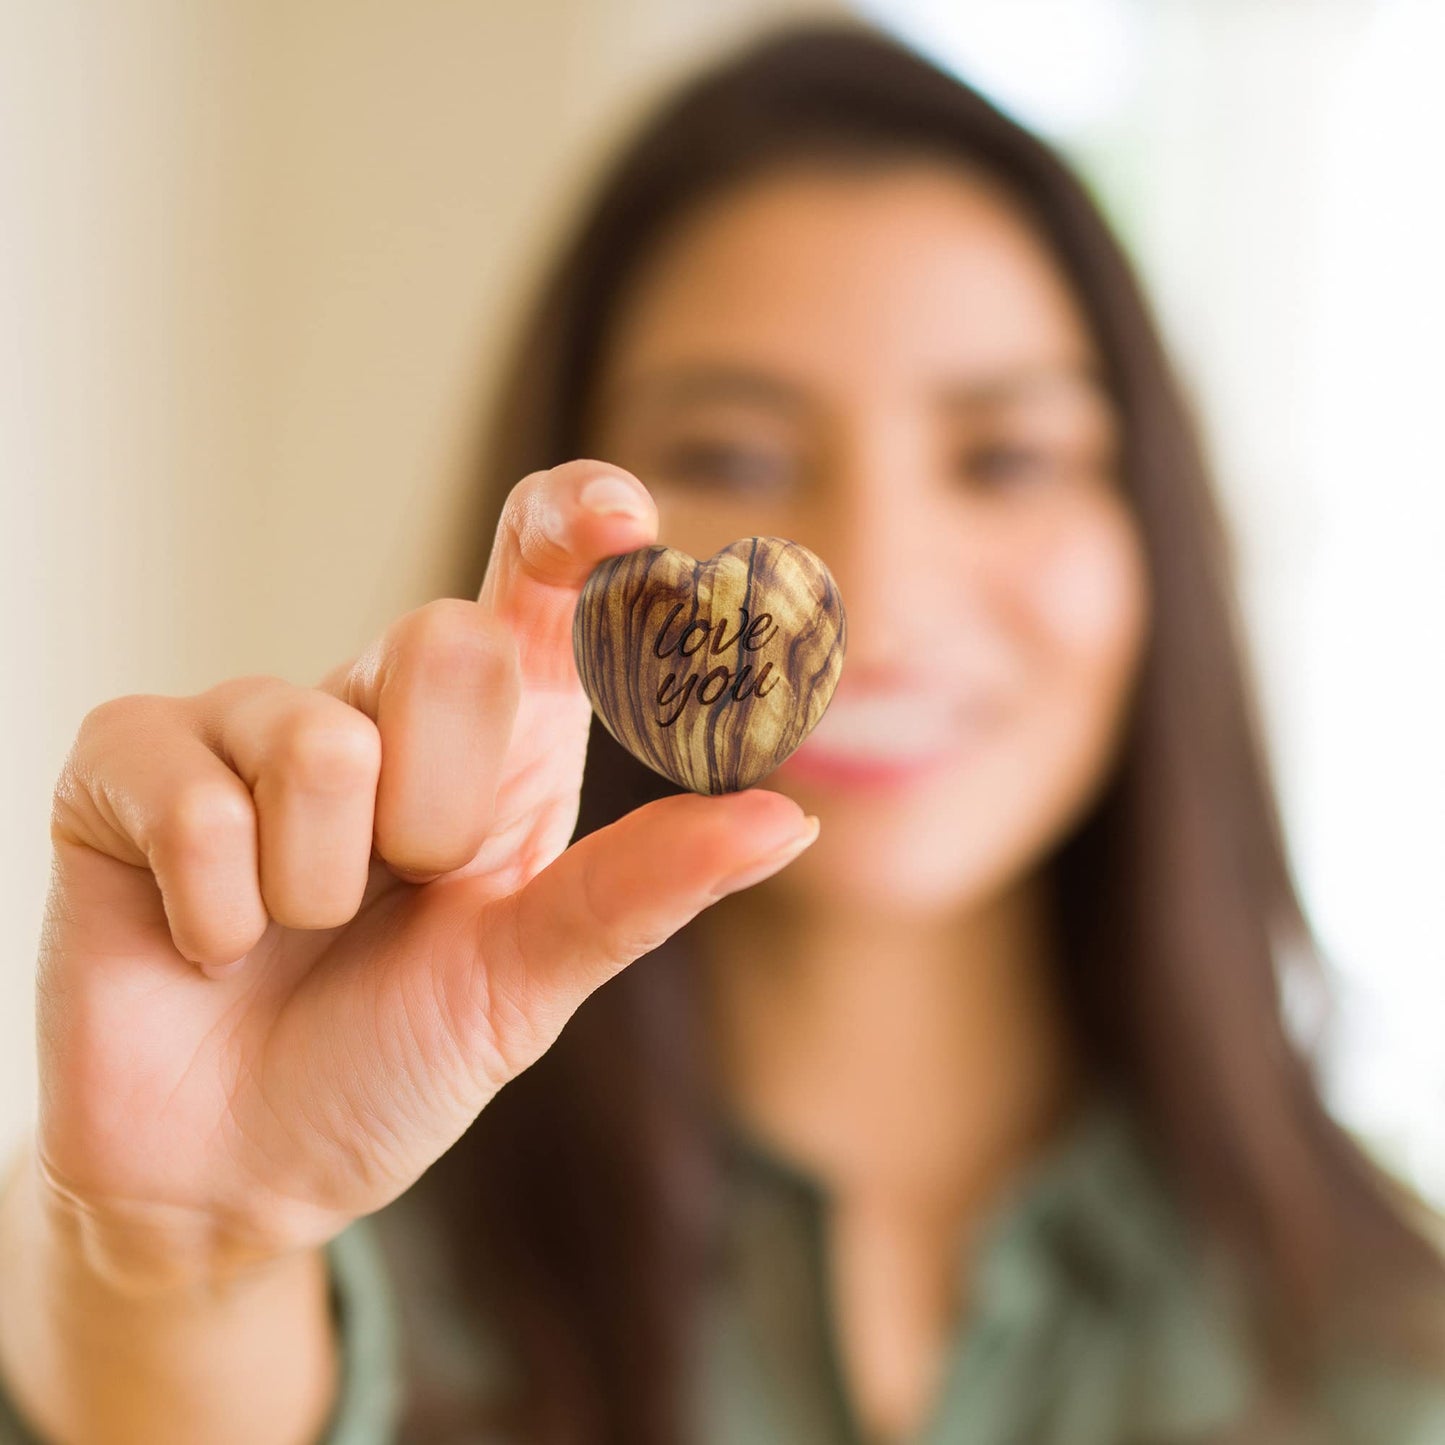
{"x": 915, "y": 269}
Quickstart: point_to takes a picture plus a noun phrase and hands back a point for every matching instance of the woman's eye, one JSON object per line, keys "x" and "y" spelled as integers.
{"x": 726, "y": 464}
{"x": 1007, "y": 465}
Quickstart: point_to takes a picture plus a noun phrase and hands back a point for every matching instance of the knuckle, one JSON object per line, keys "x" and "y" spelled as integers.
{"x": 202, "y": 816}
{"x": 326, "y": 750}
{"x": 118, "y": 715}
{"x": 232, "y": 689}
{"x": 205, "y": 709}
{"x": 620, "y": 938}
{"x": 105, "y": 715}
{"x": 111, "y": 739}
{"x": 451, "y": 634}
{"x": 521, "y": 1017}
{"x": 447, "y": 622}
{"x": 629, "y": 943}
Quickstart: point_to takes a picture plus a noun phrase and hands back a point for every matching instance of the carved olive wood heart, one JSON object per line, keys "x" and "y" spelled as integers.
{"x": 711, "y": 672}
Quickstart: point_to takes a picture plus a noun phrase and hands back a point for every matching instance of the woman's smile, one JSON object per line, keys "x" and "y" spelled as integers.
{"x": 886, "y": 738}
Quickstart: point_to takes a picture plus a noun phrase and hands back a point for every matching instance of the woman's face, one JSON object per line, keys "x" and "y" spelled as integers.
{"x": 887, "y": 366}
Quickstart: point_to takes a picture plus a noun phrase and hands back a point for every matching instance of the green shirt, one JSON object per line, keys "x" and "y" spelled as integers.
{"x": 1085, "y": 1317}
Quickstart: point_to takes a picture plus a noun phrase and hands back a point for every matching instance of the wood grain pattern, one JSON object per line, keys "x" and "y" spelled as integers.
{"x": 711, "y": 672}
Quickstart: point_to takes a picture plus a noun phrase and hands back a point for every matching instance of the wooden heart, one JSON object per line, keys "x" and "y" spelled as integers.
{"x": 711, "y": 672}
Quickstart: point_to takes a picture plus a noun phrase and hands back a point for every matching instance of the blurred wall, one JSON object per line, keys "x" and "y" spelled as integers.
{"x": 254, "y": 259}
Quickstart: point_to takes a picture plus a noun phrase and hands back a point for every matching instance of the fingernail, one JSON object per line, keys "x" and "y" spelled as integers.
{"x": 765, "y": 867}
{"x": 609, "y": 496}
{"x": 223, "y": 970}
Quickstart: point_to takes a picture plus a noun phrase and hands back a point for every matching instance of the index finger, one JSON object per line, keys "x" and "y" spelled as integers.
{"x": 555, "y": 527}
{"x": 528, "y": 743}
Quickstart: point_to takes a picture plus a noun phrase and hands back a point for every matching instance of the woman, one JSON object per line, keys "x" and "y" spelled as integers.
{"x": 978, "y": 1121}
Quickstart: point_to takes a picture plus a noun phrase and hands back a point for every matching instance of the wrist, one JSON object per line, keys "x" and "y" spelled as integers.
{"x": 100, "y": 1342}
{"x": 141, "y": 1252}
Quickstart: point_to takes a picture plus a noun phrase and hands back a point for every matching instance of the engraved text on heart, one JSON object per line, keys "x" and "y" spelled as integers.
{"x": 721, "y": 683}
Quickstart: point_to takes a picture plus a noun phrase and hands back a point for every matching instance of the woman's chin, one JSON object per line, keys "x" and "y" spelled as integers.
{"x": 857, "y": 869}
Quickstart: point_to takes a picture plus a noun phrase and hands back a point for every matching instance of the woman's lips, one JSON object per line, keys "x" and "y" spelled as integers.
{"x": 880, "y": 740}
{"x": 852, "y": 771}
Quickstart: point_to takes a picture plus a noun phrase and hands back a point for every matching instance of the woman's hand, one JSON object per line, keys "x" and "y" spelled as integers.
{"x": 297, "y": 938}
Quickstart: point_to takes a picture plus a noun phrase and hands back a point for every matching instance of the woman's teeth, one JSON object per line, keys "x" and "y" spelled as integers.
{"x": 900, "y": 727}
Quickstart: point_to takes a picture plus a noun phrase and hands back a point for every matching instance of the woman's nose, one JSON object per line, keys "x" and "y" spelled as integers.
{"x": 893, "y": 564}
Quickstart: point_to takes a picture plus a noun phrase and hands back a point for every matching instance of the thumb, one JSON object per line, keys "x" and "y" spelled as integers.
{"x": 617, "y": 894}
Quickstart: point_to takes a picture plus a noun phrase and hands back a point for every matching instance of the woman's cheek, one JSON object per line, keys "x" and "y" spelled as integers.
{"x": 1087, "y": 588}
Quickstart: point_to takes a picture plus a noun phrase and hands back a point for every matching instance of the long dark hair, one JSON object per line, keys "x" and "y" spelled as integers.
{"x": 579, "y": 1204}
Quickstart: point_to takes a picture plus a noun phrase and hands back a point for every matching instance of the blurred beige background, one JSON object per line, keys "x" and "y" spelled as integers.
{"x": 256, "y": 257}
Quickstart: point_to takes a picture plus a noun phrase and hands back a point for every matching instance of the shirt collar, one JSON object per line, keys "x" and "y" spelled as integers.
{"x": 1088, "y": 1231}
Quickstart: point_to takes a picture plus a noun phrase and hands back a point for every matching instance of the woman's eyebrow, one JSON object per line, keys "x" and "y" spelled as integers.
{"x": 711, "y": 382}
{"x": 1020, "y": 383}
{"x": 702, "y": 382}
